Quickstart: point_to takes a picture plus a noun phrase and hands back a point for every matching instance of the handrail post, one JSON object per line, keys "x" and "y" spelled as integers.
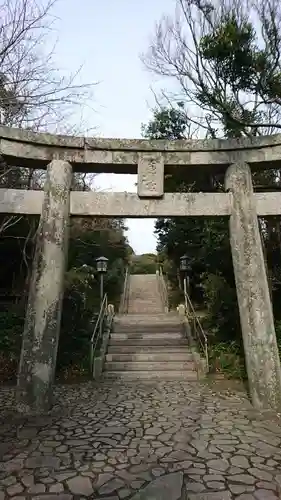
{"x": 206, "y": 354}
{"x": 124, "y": 299}
{"x": 98, "y": 330}
{"x": 162, "y": 289}
{"x": 185, "y": 294}
{"x": 195, "y": 322}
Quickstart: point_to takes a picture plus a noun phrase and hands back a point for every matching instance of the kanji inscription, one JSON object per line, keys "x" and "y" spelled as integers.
{"x": 150, "y": 175}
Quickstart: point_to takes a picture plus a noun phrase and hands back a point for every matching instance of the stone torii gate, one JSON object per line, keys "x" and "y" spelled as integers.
{"x": 62, "y": 155}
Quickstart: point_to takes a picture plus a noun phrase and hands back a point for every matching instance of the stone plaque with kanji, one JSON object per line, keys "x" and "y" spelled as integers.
{"x": 150, "y": 175}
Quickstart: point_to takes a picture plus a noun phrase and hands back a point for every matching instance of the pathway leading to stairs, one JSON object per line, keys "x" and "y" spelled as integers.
{"x": 140, "y": 441}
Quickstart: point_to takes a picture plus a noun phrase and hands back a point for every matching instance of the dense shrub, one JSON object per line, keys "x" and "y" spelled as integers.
{"x": 227, "y": 358}
{"x": 143, "y": 264}
{"x": 11, "y": 327}
{"x": 222, "y": 308}
{"x": 80, "y": 310}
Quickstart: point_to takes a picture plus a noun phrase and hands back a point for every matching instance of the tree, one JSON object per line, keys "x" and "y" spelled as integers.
{"x": 179, "y": 235}
{"x": 225, "y": 56}
{"x": 169, "y": 123}
{"x": 143, "y": 264}
{"x": 34, "y": 93}
{"x": 204, "y": 240}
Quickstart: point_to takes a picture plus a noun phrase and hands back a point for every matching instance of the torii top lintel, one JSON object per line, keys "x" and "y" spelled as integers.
{"x": 29, "y": 149}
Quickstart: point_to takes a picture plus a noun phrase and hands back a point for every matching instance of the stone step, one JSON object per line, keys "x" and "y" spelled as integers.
{"x": 152, "y": 340}
{"x": 147, "y": 328}
{"x": 144, "y": 296}
{"x": 142, "y": 307}
{"x": 162, "y": 317}
{"x": 124, "y": 348}
{"x": 152, "y": 375}
{"x": 148, "y": 301}
{"x": 146, "y": 322}
{"x": 150, "y": 366}
{"x": 146, "y": 336}
{"x": 183, "y": 355}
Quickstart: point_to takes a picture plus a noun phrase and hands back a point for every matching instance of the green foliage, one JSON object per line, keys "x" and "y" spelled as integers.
{"x": 225, "y": 62}
{"x": 143, "y": 264}
{"x": 206, "y": 242}
{"x": 231, "y": 49}
{"x": 11, "y": 323}
{"x": 11, "y": 327}
{"x": 231, "y": 46}
{"x": 278, "y": 333}
{"x": 221, "y": 303}
{"x": 80, "y": 303}
{"x": 168, "y": 123}
{"x": 88, "y": 240}
{"x": 82, "y": 292}
{"x": 227, "y": 358}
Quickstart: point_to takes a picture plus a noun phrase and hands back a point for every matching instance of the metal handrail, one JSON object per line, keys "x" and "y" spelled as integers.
{"x": 196, "y": 323}
{"x": 163, "y": 289}
{"x": 123, "y": 309}
{"x": 98, "y": 330}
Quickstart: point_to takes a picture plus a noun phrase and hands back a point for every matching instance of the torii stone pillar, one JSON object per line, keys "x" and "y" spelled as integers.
{"x": 256, "y": 316}
{"x": 43, "y": 315}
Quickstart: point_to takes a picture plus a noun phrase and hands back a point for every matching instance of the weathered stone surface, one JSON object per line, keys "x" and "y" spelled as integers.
{"x": 263, "y": 475}
{"x": 256, "y": 317}
{"x": 27, "y": 432}
{"x": 15, "y": 489}
{"x": 163, "y": 488}
{"x": 111, "y": 486}
{"x": 121, "y": 156}
{"x": 57, "y": 488}
{"x": 150, "y": 175}
{"x": 37, "y": 488}
{"x": 61, "y": 496}
{"x": 243, "y": 478}
{"x": 240, "y": 461}
{"x": 41, "y": 331}
{"x": 80, "y": 485}
{"x": 130, "y": 205}
{"x": 195, "y": 487}
{"x": 154, "y": 431}
{"x": 102, "y": 479}
{"x": 104, "y": 470}
{"x": 265, "y": 495}
{"x": 218, "y": 464}
{"x": 42, "y": 461}
{"x": 113, "y": 430}
{"x": 109, "y": 498}
{"x": 216, "y": 495}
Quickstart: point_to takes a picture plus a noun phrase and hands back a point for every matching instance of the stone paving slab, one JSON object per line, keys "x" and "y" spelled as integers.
{"x": 140, "y": 441}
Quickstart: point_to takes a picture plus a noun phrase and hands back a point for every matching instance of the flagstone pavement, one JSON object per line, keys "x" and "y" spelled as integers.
{"x": 140, "y": 441}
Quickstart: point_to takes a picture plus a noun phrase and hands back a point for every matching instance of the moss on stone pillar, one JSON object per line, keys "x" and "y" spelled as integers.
{"x": 256, "y": 316}
{"x": 42, "y": 324}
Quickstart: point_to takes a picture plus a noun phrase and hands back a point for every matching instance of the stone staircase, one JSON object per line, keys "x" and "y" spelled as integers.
{"x": 144, "y": 296}
{"x": 146, "y": 343}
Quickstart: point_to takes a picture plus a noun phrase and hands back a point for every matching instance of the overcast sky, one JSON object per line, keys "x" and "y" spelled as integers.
{"x": 107, "y": 37}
